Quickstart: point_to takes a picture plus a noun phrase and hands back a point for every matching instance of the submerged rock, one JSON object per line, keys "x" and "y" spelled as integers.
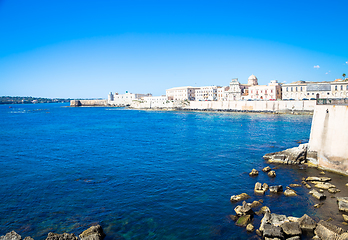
{"x": 272, "y": 174}
{"x": 254, "y": 172}
{"x": 295, "y": 185}
{"x": 63, "y": 236}
{"x": 290, "y": 193}
{"x": 266, "y": 169}
{"x": 11, "y": 236}
{"x": 93, "y": 233}
{"x": 240, "y": 197}
{"x": 243, "y": 220}
{"x": 296, "y": 155}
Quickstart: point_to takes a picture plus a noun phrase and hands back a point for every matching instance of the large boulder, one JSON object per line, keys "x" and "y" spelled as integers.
{"x": 93, "y": 233}
{"x": 276, "y": 189}
{"x": 244, "y": 209}
{"x": 296, "y": 155}
{"x": 291, "y": 228}
{"x": 11, "y": 236}
{"x": 342, "y": 204}
{"x": 317, "y": 195}
{"x": 253, "y": 172}
{"x": 278, "y": 219}
{"x": 327, "y": 231}
{"x": 271, "y": 231}
{"x": 272, "y": 174}
{"x": 243, "y": 221}
{"x": 259, "y": 188}
{"x": 324, "y": 185}
{"x": 63, "y": 236}
{"x": 290, "y": 193}
{"x": 307, "y": 223}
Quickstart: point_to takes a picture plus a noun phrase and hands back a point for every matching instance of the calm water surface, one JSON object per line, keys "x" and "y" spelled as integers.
{"x": 140, "y": 174}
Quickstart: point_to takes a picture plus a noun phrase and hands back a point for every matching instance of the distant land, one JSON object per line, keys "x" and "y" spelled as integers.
{"x": 25, "y": 100}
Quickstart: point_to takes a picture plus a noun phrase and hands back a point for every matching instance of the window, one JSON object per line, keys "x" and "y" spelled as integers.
{"x": 287, "y": 89}
{"x": 341, "y": 87}
{"x": 296, "y": 89}
{"x": 301, "y": 89}
{"x": 336, "y": 88}
{"x": 291, "y": 89}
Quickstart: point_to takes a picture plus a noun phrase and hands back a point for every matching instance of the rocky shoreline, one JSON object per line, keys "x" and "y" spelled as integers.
{"x": 279, "y": 226}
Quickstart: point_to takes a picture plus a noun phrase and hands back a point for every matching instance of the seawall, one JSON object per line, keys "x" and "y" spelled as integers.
{"x": 257, "y": 106}
{"x": 329, "y": 137}
{"x": 88, "y": 103}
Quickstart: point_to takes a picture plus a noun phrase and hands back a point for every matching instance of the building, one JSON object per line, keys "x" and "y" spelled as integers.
{"x": 158, "y": 101}
{"x": 125, "y": 99}
{"x": 302, "y": 90}
{"x": 181, "y": 93}
{"x": 208, "y": 93}
{"x": 222, "y": 93}
{"x": 272, "y": 91}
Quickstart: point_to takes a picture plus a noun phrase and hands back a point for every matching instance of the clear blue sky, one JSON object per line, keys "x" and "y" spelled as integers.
{"x": 85, "y": 49}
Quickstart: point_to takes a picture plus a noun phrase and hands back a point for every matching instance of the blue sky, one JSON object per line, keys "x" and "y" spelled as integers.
{"x": 85, "y": 49}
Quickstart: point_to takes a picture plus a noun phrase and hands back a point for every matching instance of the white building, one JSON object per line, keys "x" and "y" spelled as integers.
{"x": 208, "y": 93}
{"x": 181, "y": 93}
{"x": 302, "y": 90}
{"x": 272, "y": 91}
{"x": 156, "y": 102}
{"x": 125, "y": 99}
{"x": 222, "y": 93}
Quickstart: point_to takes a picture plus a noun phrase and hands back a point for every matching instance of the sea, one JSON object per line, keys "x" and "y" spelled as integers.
{"x": 141, "y": 174}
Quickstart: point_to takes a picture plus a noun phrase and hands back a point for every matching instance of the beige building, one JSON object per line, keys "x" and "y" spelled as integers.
{"x": 208, "y": 93}
{"x": 222, "y": 93}
{"x": 181, "y": 93}
{"x": 272, "y": 91}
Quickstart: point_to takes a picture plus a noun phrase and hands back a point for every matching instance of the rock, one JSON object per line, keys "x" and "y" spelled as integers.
{"x": 345, "y": 217}
{"x": 258, "y": 232}
{"x": 313, "y": 179}
{"x": 278, "y": 219}
{"x": 324, "y": 185}
{"x": 346, "y": 184}
{"x": 265, "y": 186}
{"x": 307, "y": 223}
{"x": 321, "y": 190}
{"x": 318, "y": 205}
{"x": 28, "y": 238}
{"x": 316, "y": 237}
{"x": 293, "y": 219}
{"x": 290, "y": 193}
{"x": 333, "y": 190}
{"x": 265, "y": 220}
{"x": 263, "y": 210}
{"x": 317, "y": 195}
{"x": 240, "y": 197}
{"x": 255, "y": 204}
{"x": 295, "y": 185}
{"x": 294, "y": 238}
{"x": 327, "y": 231}
{"x": 342, "y": 204}
{"x": 254, "y": 172}
{"x": 266, "y": 169}
{"x": 93, "y": 233}
{"x": 259, "y": 188}
{"x": 296, "y": 155}
{"x": 291, "y": 228}
{"x": 271, "y": 174}
{"x": 271, "y": 231}
{"x": 250, "y": 227}
{"x": 63, "y": 236}
{"x": 322, "y": 173}
{"x": 343, "y": 236}
{"x": 325, "y": 179}
{"x": 233, "y": 217}
{"x": 11, "y": 236}
{"x": 245, "y": 209}
{"x": 243, "y": 220}
{"x": 276, "y": 189}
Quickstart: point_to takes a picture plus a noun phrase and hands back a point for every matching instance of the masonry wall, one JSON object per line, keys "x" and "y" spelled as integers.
{"x": 92, "y": 103}
{"x": 329, "y": 136}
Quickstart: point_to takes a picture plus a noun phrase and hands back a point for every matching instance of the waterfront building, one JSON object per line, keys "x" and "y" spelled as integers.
{"x": 208, "y": 93}
{"x": 156, "y": 101}
{"x": 302, "y": 90}
{"x": 272, "y": 91}
{"x": 125, "y": 99}
{"x": 222, "y": 93}
{"x": 181, "y": 93}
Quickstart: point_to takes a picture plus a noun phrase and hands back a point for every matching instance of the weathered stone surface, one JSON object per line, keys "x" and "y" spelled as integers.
{"x": 272, "y": 174}
{"x": 11, "y": 236}
{"x": 294, "y": 238}
{"x": 324, "y": 185}
{"x": 295, "y": 185}
{"x": 345, "y": 217}
{"x": 296, "y": 155}
{"x": 93, "y": 233}
{"x": 250, "y": 227}
{"x": 265, "y": 186}
{"x": 327, "y": 231}
{"x": 243, "y": 220}
{"x": 291, "y": 228}
{"x": 333, "y": 190}
{"x": 317, "y": 194}
{"x": 254, "y": 172}
{"x": 276, "y": 189}
{"x": 265, "y": 220}
{"x": 307, "y": 223}
{"x": 290, "y": 193}
{"x": 313, "y": 179}
{"x": 325, "y": 179}
{"x": 245, "y": 209}
{"x": 255, "y": 204}
{"x": 233, "y": 217}
{"x": 278, "y": 219}
{"x": 266, "y": 169}
{"x": 63, "y": 236}
{"x": 263, "y": 210}
{"x": 28, "y": 238}
{"x": 318, "y": 205}
{"x": 342, "y": 204}
{"x": 272, "y": 231}
{"x": 343, "y": 236}
{"x": 240, "y": 197}
{"x": 259, "y": 188}
{"x": 293, "y": 219}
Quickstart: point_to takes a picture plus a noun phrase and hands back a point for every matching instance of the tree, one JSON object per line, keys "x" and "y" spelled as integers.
{"x": 344, "y": 76}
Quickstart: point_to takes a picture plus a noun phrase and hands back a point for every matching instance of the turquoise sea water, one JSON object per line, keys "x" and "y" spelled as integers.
{"x": 140, "y": 174}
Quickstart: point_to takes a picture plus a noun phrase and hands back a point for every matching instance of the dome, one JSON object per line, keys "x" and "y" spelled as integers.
{"x": 252, "y": 77}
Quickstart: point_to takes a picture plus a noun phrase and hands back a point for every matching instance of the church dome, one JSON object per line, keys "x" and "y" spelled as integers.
{"x": 252, "y": 77}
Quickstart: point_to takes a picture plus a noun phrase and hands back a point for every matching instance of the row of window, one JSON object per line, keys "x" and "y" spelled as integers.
{"x": 291, "y": 89}
{"x": 257, "y": 91}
